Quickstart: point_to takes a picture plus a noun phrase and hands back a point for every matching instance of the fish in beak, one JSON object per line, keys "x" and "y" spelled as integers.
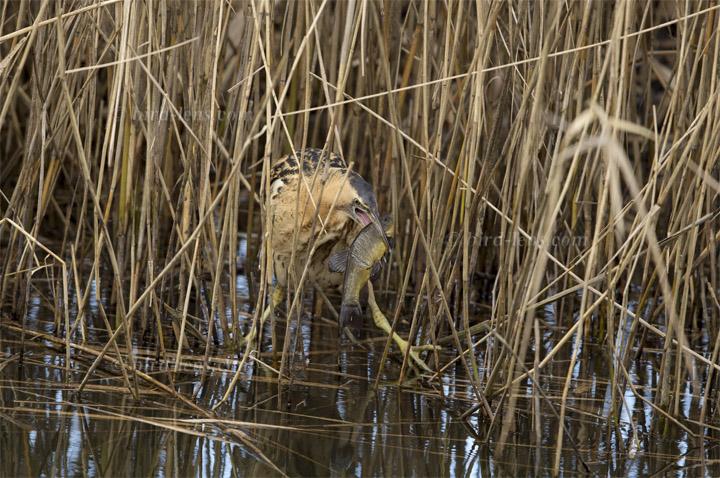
{"x": 367, "y": 216}
{"x": 360, "y": 263}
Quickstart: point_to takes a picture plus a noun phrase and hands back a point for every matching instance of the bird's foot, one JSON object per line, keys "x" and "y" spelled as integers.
{"x": 382, "y": 322}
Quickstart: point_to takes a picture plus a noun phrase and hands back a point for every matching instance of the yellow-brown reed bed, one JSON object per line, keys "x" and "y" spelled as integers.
{"x": 535, "y": 156}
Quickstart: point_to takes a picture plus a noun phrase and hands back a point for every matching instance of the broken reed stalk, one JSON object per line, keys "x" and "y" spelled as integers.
{"x": 581, "y": 136}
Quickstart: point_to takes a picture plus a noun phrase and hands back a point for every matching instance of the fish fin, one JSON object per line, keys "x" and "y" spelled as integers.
{"x": 338, "y": 261}
{"x": 347, "y": 312}
{"x": 376, "y": 269}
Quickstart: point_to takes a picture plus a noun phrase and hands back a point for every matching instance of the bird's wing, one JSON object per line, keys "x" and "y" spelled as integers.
{"x": 285, "y": 169}
{"x": 313, "y": 156}
{"x": 310, "y": 157}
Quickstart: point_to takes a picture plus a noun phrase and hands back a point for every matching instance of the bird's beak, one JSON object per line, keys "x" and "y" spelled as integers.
{"x": 378, "y": 225}
{"x": 365, "y": 217}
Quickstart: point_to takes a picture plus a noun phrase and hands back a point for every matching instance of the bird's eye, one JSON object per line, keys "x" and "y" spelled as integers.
{"x": 357, "y": 201}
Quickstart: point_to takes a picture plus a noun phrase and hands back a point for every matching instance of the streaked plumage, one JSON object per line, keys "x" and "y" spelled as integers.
{"x": 355, "y": 207}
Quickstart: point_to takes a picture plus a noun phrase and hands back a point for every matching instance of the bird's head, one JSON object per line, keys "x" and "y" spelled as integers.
{"x": 359, "y": 202}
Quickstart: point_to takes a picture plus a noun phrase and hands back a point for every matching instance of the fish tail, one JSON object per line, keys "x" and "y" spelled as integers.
{"x": 347, "y": 312}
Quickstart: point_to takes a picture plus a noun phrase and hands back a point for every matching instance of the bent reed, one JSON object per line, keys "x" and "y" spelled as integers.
{"x": 137, "y": 139}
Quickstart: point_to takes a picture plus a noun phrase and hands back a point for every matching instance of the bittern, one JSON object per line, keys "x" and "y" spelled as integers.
{"x": 354, "y": 208}
{"x": 320, "y": 211}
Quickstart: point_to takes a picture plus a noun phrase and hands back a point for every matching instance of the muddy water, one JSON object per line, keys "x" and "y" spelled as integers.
{"x": 331, "y": 420}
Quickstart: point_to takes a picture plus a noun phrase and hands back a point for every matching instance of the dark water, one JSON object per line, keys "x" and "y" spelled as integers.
{"x": 329, "y": 421}
{"x": 326, "y": 423}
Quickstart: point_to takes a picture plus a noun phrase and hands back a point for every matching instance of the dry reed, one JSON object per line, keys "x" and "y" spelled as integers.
{"x": 536, "y": 156}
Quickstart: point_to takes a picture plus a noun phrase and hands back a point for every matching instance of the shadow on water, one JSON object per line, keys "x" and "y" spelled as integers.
{"x": 328, "y": 421}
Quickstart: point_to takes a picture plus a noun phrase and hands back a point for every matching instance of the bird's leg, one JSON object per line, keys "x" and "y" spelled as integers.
{"x": 382, "y": 322}
{"x": 276, "y": 299}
